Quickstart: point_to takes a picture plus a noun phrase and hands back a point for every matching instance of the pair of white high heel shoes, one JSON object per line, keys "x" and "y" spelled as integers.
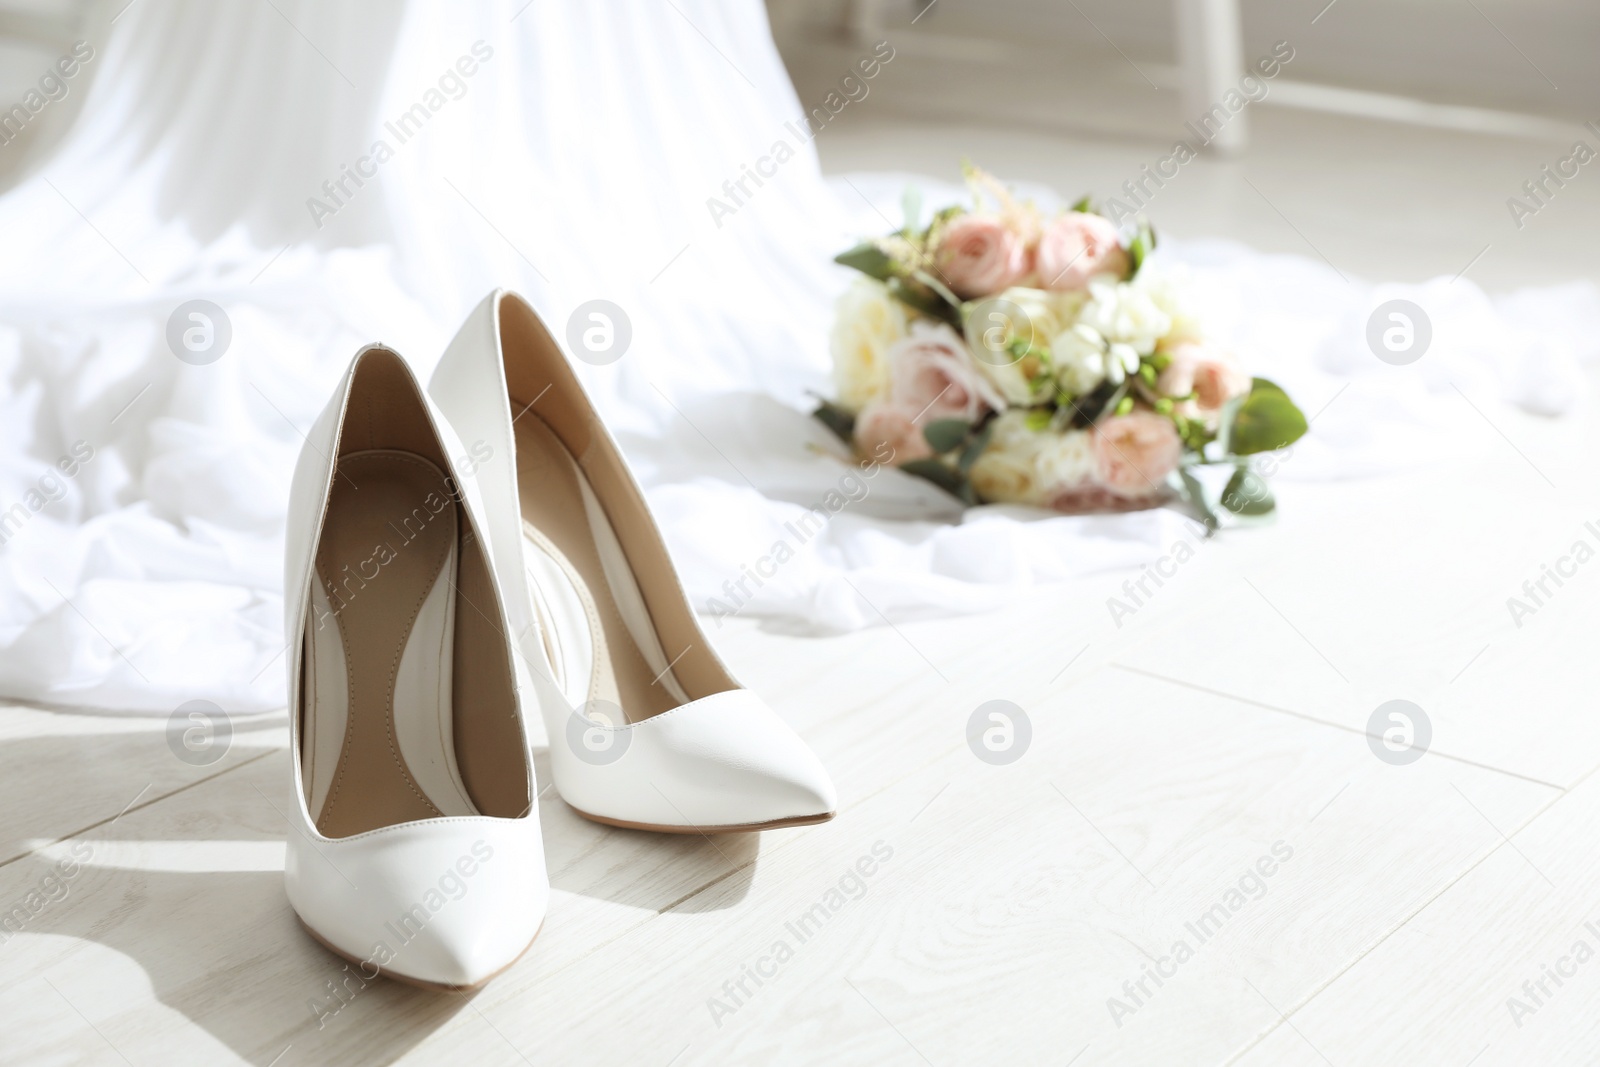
{"x": 436, "y": 592}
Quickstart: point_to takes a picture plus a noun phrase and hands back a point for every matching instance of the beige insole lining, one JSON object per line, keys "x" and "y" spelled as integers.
{"x": 548, "y": 483}
{"x": 380, "y": 517}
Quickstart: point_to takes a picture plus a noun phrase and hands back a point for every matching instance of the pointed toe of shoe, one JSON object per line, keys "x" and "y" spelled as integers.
{"x": 724, "y": 762}
{"x": 462, "y": 954}
{"x": 444, "y": 903}
{"x": 792, "y": 786}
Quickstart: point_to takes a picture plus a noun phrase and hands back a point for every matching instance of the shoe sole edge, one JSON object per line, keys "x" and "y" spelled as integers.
{"x": 731, "y": 828}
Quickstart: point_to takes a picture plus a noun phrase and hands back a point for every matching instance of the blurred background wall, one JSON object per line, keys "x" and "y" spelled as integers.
{"x": 1389, "y": 146}
{"x": 1443, "y": 51}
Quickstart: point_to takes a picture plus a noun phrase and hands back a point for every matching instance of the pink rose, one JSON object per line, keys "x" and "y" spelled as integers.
{"x": 1074, "y": 248}
{"x": 888, "y": 433}
{"x": 1212, "y": 375}
{"x": 1135, "y": 452}
{"x": 977, "y": 255}
{"x": 932, "y": 375}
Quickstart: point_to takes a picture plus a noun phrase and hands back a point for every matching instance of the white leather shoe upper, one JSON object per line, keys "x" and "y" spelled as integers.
{"x": 720, "y": 762}
{"x": 721, "y": 758}
{"x": 449, "y": 900}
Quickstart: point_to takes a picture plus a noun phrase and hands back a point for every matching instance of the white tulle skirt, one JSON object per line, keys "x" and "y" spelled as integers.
{"x": 329, "y": 176}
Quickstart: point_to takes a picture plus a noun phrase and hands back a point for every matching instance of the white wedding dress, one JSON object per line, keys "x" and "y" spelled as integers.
{"x": 212, "y": 159}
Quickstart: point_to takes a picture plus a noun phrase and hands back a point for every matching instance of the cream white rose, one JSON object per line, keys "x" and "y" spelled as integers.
{"x": 1083, "y": 360}
{"x": 867, "y": 322}
{"x": 1018, "y": 313}
{"x": 1066, "y": 461}
{"x": 1080, "y": 359}
{"x": 1048, "y": 313}
{"x": 1125, "y": 313}
{"x": 1007, "y": 471}
{"x": 1172, "y": 290}
{"x": 1024, "y": 466}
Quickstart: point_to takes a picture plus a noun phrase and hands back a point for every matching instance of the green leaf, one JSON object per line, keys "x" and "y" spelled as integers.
{"x": 837, "y": 419}
{"x": 944, "y": 476}
{"x": 1086, "y": 410}
{"x": 1194, "y": 433}
{"x": 1195, "y": 495}
{"x": 1084, "y": 206}
{"x": 1144, "y": 242}
{"x": 975, "y": 447}
{"x": 1038, "y": 419}
{"x": 939, "y": 287}
{"x": 911, "y": 209}
{"x": 1114, "y": 405}
{"x": 1266, "y": 385}
{"x": 944, "y": 434}
{"x": 1230, "y": 409}
{"x": 920, "y": 298}
{"x": 1247, "y": 493}
{"x": 944, "y": 215}
{"x": 869, "y": 259}
{"x": 1266, "y": 420}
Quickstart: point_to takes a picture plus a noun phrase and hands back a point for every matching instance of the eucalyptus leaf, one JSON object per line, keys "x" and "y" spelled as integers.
{"x": 869, "y": 259}
{"x": 1247, "y": 493}
{"x": 1266, "y": 420}
{"x": 1144, "y": 242}
{"x": 944, "y": 476}
{"x": 1086, "y": 410}
{"x": 837, "y": 419}
{"x": 1230, "y": 408}
{"x": 920, "y": 298}
{"x": 975, "y": 447}
{"x": 1114, "y": 403}
{"x": 1194, "y": 494}
{"x": 944, "y": 434}
{"x": 939, "y": 287}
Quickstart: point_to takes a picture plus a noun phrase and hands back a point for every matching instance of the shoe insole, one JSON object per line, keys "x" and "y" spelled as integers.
{"x": 386, "y": 562}
{"x": 558, "y": 503}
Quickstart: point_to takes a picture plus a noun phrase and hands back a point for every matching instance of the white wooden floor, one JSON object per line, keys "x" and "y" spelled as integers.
{"x": 1007, "y": 905}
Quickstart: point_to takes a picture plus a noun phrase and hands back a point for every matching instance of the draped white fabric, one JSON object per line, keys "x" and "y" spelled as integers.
{"x": 141, "y": 496}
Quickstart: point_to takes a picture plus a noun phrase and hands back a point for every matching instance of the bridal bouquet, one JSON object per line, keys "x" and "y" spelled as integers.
{"x": 1009, "y": 356}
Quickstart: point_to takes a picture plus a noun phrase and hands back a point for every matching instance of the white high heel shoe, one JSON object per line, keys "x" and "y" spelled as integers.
{"x": 415, "y": 849}
{"x": 647, "y": 728}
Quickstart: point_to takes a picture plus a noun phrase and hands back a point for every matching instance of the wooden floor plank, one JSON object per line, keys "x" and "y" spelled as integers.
{"x": 63, "y": 771}
{"x": 1449, "y": 986}
{"x": 1020, "y": 893}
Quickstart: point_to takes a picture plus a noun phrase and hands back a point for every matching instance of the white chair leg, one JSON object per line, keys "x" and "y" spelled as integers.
{"x": 1210, "y": 63}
